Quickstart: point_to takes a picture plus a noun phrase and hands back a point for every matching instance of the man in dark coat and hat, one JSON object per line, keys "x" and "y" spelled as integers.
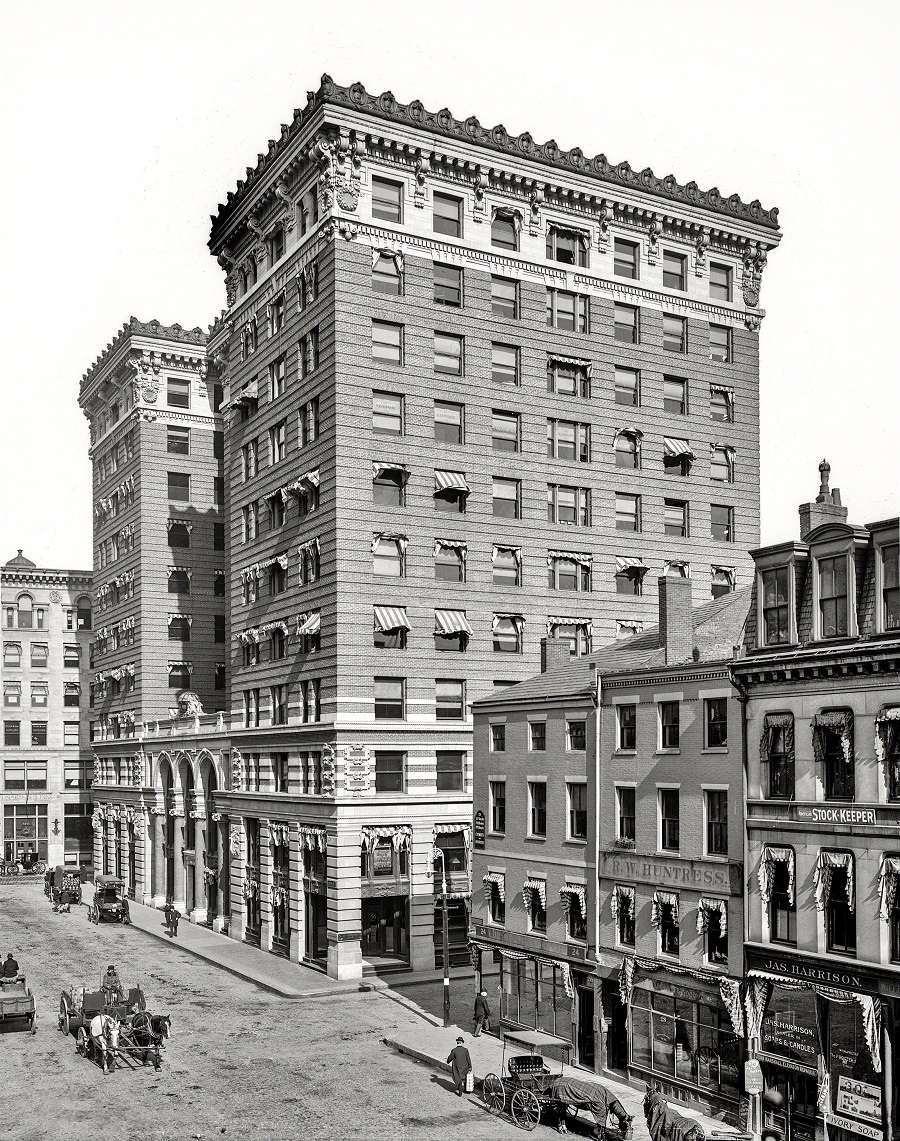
{"x": 460, "y": 1064}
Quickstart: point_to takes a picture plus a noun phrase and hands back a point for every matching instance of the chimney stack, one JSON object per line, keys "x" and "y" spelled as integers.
{"x": 827, "y": 507}
{"x": 554, "y": 653}
{"x": 676, "y": 627}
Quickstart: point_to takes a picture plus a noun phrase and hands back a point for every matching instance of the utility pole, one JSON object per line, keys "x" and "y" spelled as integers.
{"x": 435, "y": 854}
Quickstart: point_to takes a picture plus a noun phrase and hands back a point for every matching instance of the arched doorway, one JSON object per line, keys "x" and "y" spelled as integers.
{"x": 167, "y": 788}
{"x": 189, "y": 836}
{"x": 213, "y": 862}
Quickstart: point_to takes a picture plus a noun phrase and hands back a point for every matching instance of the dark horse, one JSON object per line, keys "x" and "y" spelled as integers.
{"x": 148, "y": 1032}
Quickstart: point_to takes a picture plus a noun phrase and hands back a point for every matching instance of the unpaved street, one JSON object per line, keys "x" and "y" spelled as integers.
{"x": 241, "y": 1063}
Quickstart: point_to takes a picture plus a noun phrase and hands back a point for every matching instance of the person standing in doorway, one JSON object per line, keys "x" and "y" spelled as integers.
{"x": 460, "y": 1064}
{"x": 482, "y": 1014}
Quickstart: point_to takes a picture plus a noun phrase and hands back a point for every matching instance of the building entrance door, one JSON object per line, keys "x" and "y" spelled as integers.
{"x": 617, "y": 1032}
{"x": 584, "y": 1044}
{"x": 788, "y": 1105}
{"x": 316, "y": 925}
{"x": 384, "y": 928}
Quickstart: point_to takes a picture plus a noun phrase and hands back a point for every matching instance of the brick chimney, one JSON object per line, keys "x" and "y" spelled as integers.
{"x": 827, "y": 507}
{"x": 676, "y": 627}
{"x": 554, "y": 653}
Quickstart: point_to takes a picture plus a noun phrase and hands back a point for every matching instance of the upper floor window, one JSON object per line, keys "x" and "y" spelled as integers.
{"x": 628, "y": 449}
{"x": 448, "y": 354}
{"x": 448, "y": 285}
{"x": 834, "y": 880}
{"x": 178, "y": 392}
{"x": 276, "y": 315}
{"x": 721, "y": 518}
{"x": 628, "y": 387}
{"x": 507, "y": 633}
{"x": 721, "y": 466}
{"x": 449, "y": 422}
{"x": 674, "y": 333}
{"x": 569, "y": 378}
{"x": 675, "y": 517}
{"x": 569, "y": 505}
{"x": 389, "y": 698}
{"x": 833, "y": 749}
{"x": 628, "y": 512}
{"x": 387, "y": 413}
{"x": 505, "y": 227}
{"x": 577, "y": 796}
{"x": 387, "y": 555}
{"x": 386, "y": 276}
{"x": 506, "y": 566}
{"x": 720, "y": 343}
{"x": 447, "y": 215}
{"x": 567, "y": 310}
{"x": 777, "y": 884}
{"x": 775, "y": 606}
{"x": 506, "y": 497}
{"x": 504, "y": 364}
{"x": 675, "y": 395}
{"x": 504, "y": 297}
{"x": 625, "y": 324}
{"x": 626, "y": 718}
{"x": 674, "y": 270}
{"x": 387, "y": 200}
{"x": 387, "y": 343}
{"x": 669, "y": 820}
{"x": 721, "y": 405}
{"x": 504, "y": 431}
{"x": 719, "y": 281}
{"x": 626, "y": 258}
{"x": 276, "y": 245}
{"x": 569, "y": 440}
{"x": 715, "y": 712}
{"x": 776, "y": 749}
{"x": 567, "y": 246}
{"x": 833, "y": 609}
{"x": 449, "y": 560}
{"x": 716, "y": 822}
{"x": 890, "y": 587}
{"x": 569, "y": 572}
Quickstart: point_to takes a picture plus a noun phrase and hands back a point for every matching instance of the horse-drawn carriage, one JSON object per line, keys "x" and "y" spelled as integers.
{"x": 62, "y": 885}
{"x": 110, "y": 1024}
{"x": 110, "y": 900}
{"x": 16, "y": 1002}
{"x": 25, "y": 864}
{"x": 529, "y": 1090}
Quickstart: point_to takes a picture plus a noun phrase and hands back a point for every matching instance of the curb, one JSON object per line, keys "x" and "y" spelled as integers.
{"x": 420, "y": 1056}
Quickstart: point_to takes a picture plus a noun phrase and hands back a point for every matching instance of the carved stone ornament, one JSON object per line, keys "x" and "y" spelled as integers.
{"x": 654, "y": 232}
{"x": 254, "y": 227}
{"x": 237, "y": 771}
{"x": 536, "y": 201}
{"x": 231, "y": 288}
{"x": 422, "y": 171}
{"x": 322, "y": 153}
{"x": 754, "y": 259}
{"x": 234, "y": 842}
{"x": 347, "y": 230}
{"x": 479, "y": 185}
{"x": 225, "y": 259}
{"x": 753, "y": 321}
{"x": 328, "y": 770}
{"x": 604, "y": 217}
{"x": 701, "y": 244}
{"x": 282, "y": 194}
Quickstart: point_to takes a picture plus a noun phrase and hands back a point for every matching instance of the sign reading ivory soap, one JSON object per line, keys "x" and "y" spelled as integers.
{"x": 789, "y": 1026}
{"x": 478, "y": 831}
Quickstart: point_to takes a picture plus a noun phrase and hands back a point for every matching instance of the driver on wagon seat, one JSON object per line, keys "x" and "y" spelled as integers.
{"x": 112, "y": 988}
{"x": 10, "y": 968}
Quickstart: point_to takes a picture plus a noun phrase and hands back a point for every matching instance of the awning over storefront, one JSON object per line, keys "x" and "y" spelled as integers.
{"x": 313, "y": 838}
{"x": 823, "y": 875}
{"x": 839, "y": 721}
{"x": 494, "y": 881}
{"x": 449, "y": 622}
{"x": 708, "y": 907}
{"x": 663, "y": 899}
{"x": 770, "y": 857}
{"x": 398, "y": 834}
{"x": 309, "y": 623}
{"x": 574, "y": 892}
{"x": 531, "y": 886}
{"x": 888, "y": 882}
{"x": 450, "y": 481}
{"x": 390, "y": 618}
{"x": 774, "y": 721}
{"x": 676, "y": 448}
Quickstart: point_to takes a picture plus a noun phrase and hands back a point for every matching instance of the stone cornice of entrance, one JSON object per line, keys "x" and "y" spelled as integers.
{"x": 543, "y": 158}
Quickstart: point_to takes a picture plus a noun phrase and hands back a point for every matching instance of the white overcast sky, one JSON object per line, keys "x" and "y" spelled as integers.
{"x": 123, "y": 124}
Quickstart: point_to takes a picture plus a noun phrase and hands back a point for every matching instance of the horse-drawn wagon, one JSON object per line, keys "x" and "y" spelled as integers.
{"x": 62, "y": 885}
{"x": 17, "y": 1003}
{"x": 110, "y": 900}
{"x": 110, "y": 1024}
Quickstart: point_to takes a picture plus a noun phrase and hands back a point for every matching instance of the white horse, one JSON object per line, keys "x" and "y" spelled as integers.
{"x": 103, "y": 1034}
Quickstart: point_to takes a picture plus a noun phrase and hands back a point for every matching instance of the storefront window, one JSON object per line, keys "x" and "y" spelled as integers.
{"x": 534, "y": 995}
{"x": 24, "y": 833}
{"x": 789, "y": 1026}
{"x": 686, "y": 1039}
{"x": 856, "y": 1087}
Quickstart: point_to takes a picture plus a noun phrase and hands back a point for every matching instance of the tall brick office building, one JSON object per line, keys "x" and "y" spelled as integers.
{"x": 476, "y": 390}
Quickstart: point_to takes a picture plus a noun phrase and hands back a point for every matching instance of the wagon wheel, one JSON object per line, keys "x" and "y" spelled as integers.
{"x": 64, "y": 1015}
{"x": 525, "y": 1109}
{"x": 81, "y": 1042}
{"x": 39, "y": 868}
{"x": 31, "y": 1019}
{"x": 494, "y": 1094}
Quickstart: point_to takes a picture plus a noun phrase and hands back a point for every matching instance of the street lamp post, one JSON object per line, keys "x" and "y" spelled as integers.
{"x": 435, "y": 853}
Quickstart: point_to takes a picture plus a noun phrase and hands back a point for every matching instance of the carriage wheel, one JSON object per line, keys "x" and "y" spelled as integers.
{"x": 39, "y": 868}
{"x": 81, "y": 1042}
{"x": 525, "y": 1109}
{"x": 494, "y": 1094}
{"x": 64, "y": 1015}
{"x": 31, "y": 1023}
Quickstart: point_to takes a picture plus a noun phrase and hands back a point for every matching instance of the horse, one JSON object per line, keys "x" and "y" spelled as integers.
{"x": 593, "y": 1096}
{"x": 148, "y": 1032}
{"x": 103, "y": 1034}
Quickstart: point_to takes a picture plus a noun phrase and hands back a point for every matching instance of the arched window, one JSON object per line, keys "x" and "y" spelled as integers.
{"x": 25, "y": 608}
{"x": 83, "y": 615}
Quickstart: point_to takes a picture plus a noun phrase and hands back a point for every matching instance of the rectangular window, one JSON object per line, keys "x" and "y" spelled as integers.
{"x": 782, "y": 907}
{"x": 448, "y": 354}
{"x": 890, "y": 587}
{"x": 39, "y": 732}
{"x": 627, "y": 727}
{"x": 498, "y": 738}
{"x": 669, "y": 820}
{"x": 178, "y": 441}
{"x": 276, "y": 315}
{"x": 566, "y": 378}
{"x": 721, "y": 522}
{"x": 674, "y": 333}
{"x": 721, "y": 406}
{"x": 505, "y": 230}
{"x": 569, "y": 574}
{"x": 628, "y": 387}
{"x": 447, "y": 215}
{"x": 449, "y": 563}
{"x": 179, "y": 628}
{"x": 674, "y": 271}
{"x": 450, "y": 699}
{"x": 577, "y": 796}
{"x": 504, "y": 431}
{"x": 278, "y": 442}
{"x": 675, "y": 395}
{"x": 278, "y": 699}
{"x": 776, "y": 628}
{"x": 840, "y": 770}
{"x": 567, "y": 246}
{"x": 675, "y": 517}
{"x": 11, "y": 733}
{"x": 625, "y": 324}
{"x": 716, "y": 822}
{"x": 833, "y": 597}
{"x": 387, "y": 343}
{"x": 716, "y": 722}
{"x": 840, "y": 922}
{"x": 179, "y": 484}
{"x": 498, "y": 806}
{"x": 625, "y": 932}
{"x": 720, "y": 343}
{"x": 567, "y": 311}
{"x": 625, "y": 798}
{"x": 448, "y": 285}
{"x": 387, "y": 558}
{"x": 504, "y": 364}
{"x": 505, "y": 496}
{"x": 451, "y": 771}
{"x": 448, "y": 422}
{"x": 387, "y": 200}
{"x": 40, "y": 653}
{"x": 507, "y": 634}
{"x": 389, "y": 771}
{"x": 387, "y": 413}
{"x": 626, "y": 259}
{"x": 568, "y": 440}
{"x": 505, "y": 566}
{"x": 575, "y": 736}
{"x": 178, "y": 392}
{"x": 71, "y": 657}
{"x": 669, "y": 935}
{"x": 569, "y": 505}
{"x": 537, "y": 915}
{"x": 537, "y": 808}
{"x": 721, "y": 466}
{"x": 504, "y": 297}
{"x": 719, "y": 281}
{"x": 781, "y": 764}
{"x": 388, "y": 487}
{"x": 389, "y": 699}
{"x": 669, "y": 724}
{"x": 628, "y": 512}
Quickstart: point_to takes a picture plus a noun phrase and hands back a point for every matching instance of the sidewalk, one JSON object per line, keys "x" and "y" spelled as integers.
{"x": 431, "y": 1044}
{"x": 270, "y": 972}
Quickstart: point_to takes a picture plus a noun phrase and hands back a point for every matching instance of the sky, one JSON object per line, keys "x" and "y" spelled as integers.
{"x": 124, "y": 124}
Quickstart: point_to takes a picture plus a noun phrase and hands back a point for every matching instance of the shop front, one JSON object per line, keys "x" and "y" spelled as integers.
{"x": 24, "y": 834}
{"x": 454, "y": 841}
{"x": 314, "y": 849}
{"x": 384, "y": 895}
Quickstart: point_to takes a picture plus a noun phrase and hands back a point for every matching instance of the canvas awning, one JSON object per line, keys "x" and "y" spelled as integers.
{"x": 389, "y": 618}
{"x": 494, "y": 881}
{"x": 663, "y": 899}
{"x": 676, "y": 448}
{"x": 573, "y": 892}
{"x": 771, "y": 722}
{"x": 379, "y": 467}
{"x": 450, "y": 481}
{"x": 630, "y": 566}
{"x": 622, "y": 897}
{"x": 529, "y": 887}
{"x": 707, "y": 907}
{"x": 517, "y": 620}
{"x": 839, "y": 721}
{"x": 888, "y": 881}
{"x": 459, "y": 545}
{"x": 770, "y": 857}
{"x": 580, "y": 557}
{"x": 310, "y": 624}
{"x": 449, "y": 622}
{"x": 823, "y": 875}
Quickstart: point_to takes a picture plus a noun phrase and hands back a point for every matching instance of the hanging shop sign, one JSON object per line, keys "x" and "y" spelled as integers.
{"x": 478, "y": 832}
{"x": 753, "y": 1077}
{"x": 859, "y": 1099}
{"x": 789, "y": 1026}
{"x": 860, "y": 1128}
{"x": 820, "y": 815}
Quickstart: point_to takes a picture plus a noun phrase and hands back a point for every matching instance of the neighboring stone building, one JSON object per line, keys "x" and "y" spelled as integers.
{"x": 47, "y": 760}
{"x": 608, "y": 817}
{"x": 475, "y": 390}
{"x": 822, "y": 690}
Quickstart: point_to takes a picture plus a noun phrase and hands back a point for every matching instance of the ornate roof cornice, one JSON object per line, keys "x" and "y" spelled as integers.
{"x": 498, "y": 140}
{"x": 153, "y": 329}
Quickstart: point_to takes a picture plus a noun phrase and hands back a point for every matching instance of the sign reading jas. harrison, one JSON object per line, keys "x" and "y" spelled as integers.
{"x": 662, "y": 872}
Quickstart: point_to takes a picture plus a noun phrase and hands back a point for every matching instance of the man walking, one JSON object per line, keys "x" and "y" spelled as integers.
{"x": 482, "y": 1015}
{"x": 460, "y": 1065}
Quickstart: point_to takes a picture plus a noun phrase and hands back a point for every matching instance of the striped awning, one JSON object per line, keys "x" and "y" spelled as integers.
{"x": 311, "y": 623}
{"x": 580, "y": 557}
{"x": 627, "y": 565}
{"x": 451, "y": 622}
{"x": 663, "y": 899}
{"x": 458, "y": 545}
{"x": 573, "y": 891}
{"x": 888, "y": 881}
{"x": 492, "y": 881}
{"x": 388, "y": 618}
{"x": 530, "y": 886}
{"x": 249, "y": 392}
{"x": 823, "y": 875}
{"x": 678, "y": 568}
{"x": 705, "y": 908}
{"x": 379, "y": 467}
{"x": 450, "y": 481}
{"x": 622, "y": 897}
{"x": 677, "y": 449}
{"x": 555, "y": 621}
{"x": 771, "y": 856}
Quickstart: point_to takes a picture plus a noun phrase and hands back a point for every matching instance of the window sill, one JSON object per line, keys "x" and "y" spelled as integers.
{"x": 716, "y": 749}
{"x": 625, "y": 752}
{"x": 536, "y": 839}
{"x": 576, "y": 841}
{"x": 497, "y": 835}
{"x": 667, "y": 752}
{"x": 673, "y": 853}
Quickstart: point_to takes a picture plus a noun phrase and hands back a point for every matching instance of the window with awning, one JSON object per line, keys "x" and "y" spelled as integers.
{"x": 494, "y": 882}
{"x": 451, "y": 622}
{"x": 677, "y": 455}
{"x": 450, "y": 490}
{"x": 506, "y": 565}
{"x": 887, "y": 748}
{"x": 569, "y": 570}
{"x": 888, "y": 883}
{"x": 576, "y": 631}
{"x": 771, "y": 858}
{"x": 387, "y": 554}
{"x": 622, "y": 901}
{"x": 661, "y": 901}
{"x": 676, "y": 568}
{"x": 832, "y": 733}
{"x": 706, "y": 908}
{"x": 309, "y": 624}
{"x": 391, "y": 618}
{"x": 573, "y": 894}
{"x": 507, "y": 632}
{"x": 534, "y": 887}
{"x": 824, "y": 876}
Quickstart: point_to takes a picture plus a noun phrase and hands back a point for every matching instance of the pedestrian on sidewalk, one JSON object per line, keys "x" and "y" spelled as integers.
{"x": 460, "y": 1065}
{"x": 167, "y": 914}
{"x": 482, "y": 1015}
{"x": 174, "y": 916}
